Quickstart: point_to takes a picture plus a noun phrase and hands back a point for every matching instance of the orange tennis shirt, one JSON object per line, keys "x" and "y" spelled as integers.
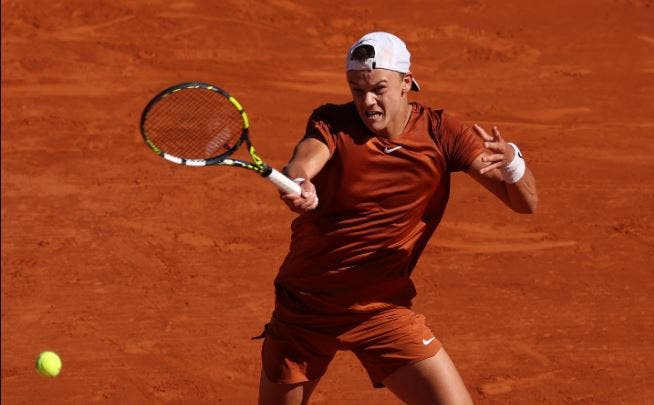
{"x": 380, "y": 202}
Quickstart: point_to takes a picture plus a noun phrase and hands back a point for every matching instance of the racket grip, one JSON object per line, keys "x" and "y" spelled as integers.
{"x": 282, "y": 182}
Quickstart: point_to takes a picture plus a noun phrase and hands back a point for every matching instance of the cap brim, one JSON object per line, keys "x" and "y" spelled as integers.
{"x": 414, "y": 85}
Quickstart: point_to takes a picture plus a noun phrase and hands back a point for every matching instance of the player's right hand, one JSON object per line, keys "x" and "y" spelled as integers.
{"x": 307, "y": 200}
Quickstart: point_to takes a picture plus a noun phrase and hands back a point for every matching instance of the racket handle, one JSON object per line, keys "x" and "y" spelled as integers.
{"x": 282, "y": 182}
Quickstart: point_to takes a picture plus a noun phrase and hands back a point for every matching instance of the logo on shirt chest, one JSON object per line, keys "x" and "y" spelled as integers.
{"x": 391, "y": 150}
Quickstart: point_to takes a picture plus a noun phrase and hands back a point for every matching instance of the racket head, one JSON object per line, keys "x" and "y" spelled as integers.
{"x": 195, "y": 124}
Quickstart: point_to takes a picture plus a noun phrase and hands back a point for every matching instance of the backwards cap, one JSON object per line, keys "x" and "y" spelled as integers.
{"x": 389, "y": 52}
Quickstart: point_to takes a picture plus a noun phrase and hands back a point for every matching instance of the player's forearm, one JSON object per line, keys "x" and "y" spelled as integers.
{"x": 308, "y": 159}
{"x": 522, "y": 196}
{"x": 301, "y": 168}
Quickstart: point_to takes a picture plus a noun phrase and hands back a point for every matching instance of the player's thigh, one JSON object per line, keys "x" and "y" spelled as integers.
{"x": 431, "y": 381}
{"x": 285, "y": 394}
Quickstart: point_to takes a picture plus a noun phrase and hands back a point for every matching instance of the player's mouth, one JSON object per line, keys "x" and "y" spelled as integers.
{"x": 374, "y": 115}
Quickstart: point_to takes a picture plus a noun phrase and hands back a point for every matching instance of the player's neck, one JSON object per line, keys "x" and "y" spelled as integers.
{"x": 397, "y": 128}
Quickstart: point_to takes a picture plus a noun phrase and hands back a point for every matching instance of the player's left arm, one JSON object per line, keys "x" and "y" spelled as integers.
{"x": 502, "y": 171}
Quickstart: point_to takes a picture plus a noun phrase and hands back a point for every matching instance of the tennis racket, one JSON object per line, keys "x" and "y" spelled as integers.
{"x": 198, "y": 124}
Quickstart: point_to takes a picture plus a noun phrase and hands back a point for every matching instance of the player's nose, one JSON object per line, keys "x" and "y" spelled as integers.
{"x": 370, "y": 99}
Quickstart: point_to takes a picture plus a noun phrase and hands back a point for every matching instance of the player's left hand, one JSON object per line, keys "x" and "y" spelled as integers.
{"x": 501, "y": 152}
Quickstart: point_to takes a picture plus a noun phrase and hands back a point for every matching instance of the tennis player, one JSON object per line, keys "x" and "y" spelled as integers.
{"x": 375, "y": 179}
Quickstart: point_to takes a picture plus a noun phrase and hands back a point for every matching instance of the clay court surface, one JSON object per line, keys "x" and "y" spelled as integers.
{"x": 149, "y": 279}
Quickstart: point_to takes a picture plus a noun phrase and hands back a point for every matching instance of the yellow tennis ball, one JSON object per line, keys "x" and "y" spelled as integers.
{"x": 48, "y": 364}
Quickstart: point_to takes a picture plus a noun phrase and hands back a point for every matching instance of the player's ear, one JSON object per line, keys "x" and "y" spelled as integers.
{"x": 407, "y": 81}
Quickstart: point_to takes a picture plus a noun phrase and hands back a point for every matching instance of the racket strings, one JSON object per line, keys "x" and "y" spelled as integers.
{"x": 194, "y": 123}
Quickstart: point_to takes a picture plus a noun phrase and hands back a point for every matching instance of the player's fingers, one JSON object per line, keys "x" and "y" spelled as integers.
{"x": 313, "y": 205}
{"x": 292, "y": 207}
{"x": 305, "y": 184}
{"x": 308, "y": 191}
{"x": 288, "y": 197}
{"x": 306, "y": 200}
{"x": 497, "y": 135}
{"x": 500, "y": 148}
{"x": 482, "y": 132}
{"x": 495, "y": 146}
{"x": 309, "y": 203}
{"x": 490, "y": 167}
{"x": 495, "y": 157}
{"x": 292, "y": 201}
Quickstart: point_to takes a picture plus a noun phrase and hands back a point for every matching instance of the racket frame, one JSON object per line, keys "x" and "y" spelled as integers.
{"x": 224, "y": 159}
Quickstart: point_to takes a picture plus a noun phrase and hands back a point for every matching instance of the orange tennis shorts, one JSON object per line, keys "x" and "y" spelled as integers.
{"x": 384, "y": 342}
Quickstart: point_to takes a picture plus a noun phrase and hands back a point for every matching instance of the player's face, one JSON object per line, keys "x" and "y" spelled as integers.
{"x": 380, "y": 99}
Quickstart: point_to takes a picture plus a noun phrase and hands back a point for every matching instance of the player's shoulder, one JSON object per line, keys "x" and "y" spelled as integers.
{"x": 335, "y": 111}
{"x": 442, "y": 120}
{"x": 427, "y": 112}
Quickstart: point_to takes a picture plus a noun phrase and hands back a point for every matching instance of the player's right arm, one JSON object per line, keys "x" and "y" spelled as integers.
{"x": 309, "y": 157}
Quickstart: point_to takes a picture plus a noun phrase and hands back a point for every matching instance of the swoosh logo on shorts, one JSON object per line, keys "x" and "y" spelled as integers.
{"x": 428, "y": 341}
{"x": 391, "y": 150}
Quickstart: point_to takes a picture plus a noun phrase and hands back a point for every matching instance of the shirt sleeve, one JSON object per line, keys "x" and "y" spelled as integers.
{"x": 461, "y": 144}
{"x": 318, "y": 127}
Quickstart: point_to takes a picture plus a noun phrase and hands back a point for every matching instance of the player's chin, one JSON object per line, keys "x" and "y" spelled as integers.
{"x": 377, "y": 129}
{"x": 369, "y": 122}
{"x": 376, "y": 125}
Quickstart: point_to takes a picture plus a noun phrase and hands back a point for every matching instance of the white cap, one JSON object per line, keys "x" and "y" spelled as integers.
{"x": 390, "y": 53}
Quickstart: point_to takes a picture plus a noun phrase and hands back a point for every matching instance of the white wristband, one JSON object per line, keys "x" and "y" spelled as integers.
{"x": 514, "y": 171}
{"x": 298, "y": 180}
